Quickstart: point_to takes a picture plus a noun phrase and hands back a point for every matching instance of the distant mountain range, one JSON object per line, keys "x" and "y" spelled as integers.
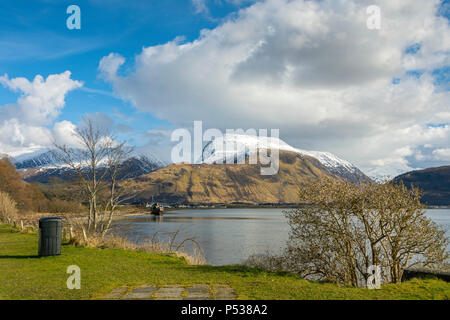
{"x": 43, "y": 166}
{"x": 214, "y": 182}
{"x": 228, "y": 183}
{"x": 209, "y": 182}
{"x": 214, "y": 152}
{"x": 381, "y": 174}
{"x": 434, "y": 182}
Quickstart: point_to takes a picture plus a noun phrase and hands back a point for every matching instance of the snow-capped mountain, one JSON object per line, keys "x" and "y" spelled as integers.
{"x": 216, "y": 152}
{"x": 381, "y": 174}
{"x": 42, "y": 165}
{"x": 39, "y": 159}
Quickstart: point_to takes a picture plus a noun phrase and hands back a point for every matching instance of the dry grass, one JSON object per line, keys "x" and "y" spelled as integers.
{"x": 8, "y": 210}
{"x": 171, "y": 247}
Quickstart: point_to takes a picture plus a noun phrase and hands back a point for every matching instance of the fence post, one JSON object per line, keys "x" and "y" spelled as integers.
{"x": 84, "y": 235}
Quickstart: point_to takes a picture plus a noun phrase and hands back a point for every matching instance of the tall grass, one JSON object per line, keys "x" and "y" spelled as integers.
{"x": 151, "y": 246}
{"x": 8, "y": 210}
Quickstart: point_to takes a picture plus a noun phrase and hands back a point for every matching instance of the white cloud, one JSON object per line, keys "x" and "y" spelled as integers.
{"x": 312, "y": 69}
{"x": 24, "y": 125}
{"x": 63, "y": 133}
{"x": 42, "y": 99}
{"x": 109, "y": 65}
{"x": 442, "y": 154}
{"x": 17, "y": 137}
{"x": 397, "y": 157}
{"x": 200, "y": 6}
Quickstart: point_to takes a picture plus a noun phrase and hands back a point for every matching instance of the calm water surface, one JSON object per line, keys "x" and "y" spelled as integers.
{"x": 227, "y": 236}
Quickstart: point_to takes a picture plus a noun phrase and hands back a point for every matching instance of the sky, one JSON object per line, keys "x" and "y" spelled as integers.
{"x": 379, "y": 98}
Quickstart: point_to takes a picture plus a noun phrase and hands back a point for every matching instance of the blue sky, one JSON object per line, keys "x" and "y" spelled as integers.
{"x": 35, "y": 40}
{"x": 313, "y": 69}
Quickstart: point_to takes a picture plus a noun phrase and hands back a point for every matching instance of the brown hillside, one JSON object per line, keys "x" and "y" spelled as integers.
{"x": 219, "y": 183}
{"x": 26, "y": 196}
{"x": 434, "y": 182}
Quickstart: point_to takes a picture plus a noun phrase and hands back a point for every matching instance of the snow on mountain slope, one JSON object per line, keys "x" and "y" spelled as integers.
{"x": 46, "y": 159}
{"x": 41, "y": 165}
{"x": 381, "y": 174}
{"x": 38, "y": 159}
{"x": 216, "y": 152}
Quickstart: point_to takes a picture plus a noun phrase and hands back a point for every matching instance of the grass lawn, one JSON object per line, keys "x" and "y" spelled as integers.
{"x": 24, "y": 276}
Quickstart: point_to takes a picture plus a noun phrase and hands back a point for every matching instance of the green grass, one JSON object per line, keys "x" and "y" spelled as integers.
{"x": 24, "y": 276}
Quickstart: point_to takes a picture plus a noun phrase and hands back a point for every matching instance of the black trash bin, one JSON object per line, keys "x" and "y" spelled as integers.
{"x": 50, "y": 232}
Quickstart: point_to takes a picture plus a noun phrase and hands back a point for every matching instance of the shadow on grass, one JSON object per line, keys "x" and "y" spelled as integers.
{"x": 19, "y": 257}
{"x": 241, "y": 270}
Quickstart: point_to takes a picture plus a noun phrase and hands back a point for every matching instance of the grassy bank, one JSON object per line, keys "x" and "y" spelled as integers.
{"x": 24, "y": 276}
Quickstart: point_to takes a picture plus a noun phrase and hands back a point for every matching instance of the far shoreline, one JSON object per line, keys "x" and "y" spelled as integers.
{"x": 248, "y": 206}
{"x": 131, "y": 210}
{"x": 173, "y": 208}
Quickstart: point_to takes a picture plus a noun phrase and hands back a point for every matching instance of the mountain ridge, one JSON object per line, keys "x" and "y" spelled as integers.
{"x": 216, "y": 152}
{"x": 43, "y": 166}
{"x": 434, "y": 182}
{"x": 228, "y": 183}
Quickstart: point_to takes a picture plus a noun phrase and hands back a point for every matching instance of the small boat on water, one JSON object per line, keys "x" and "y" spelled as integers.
{"x": 156, "y": 209}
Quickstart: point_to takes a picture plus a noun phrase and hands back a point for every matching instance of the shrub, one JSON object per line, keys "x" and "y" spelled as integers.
{"x": 267, "y": 261}
{"x": 348, "y": 228}
{"x": 60, "y": 206}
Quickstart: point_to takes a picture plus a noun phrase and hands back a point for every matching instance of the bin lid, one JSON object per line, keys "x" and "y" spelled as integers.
{"x": 52, "y": 220}
{"x": 49, "y": 219}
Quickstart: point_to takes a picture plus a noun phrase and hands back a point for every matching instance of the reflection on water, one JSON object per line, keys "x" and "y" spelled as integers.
{"x": 441, "y": 217}
{"x": 227, "y": 236}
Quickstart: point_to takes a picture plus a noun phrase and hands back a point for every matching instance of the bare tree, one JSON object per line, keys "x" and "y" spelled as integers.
{"x": 406, "y": 237}
{"x": 114, "y": 195}
{"x": 96, "y": 162}
{"x": 349, "y": 227}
